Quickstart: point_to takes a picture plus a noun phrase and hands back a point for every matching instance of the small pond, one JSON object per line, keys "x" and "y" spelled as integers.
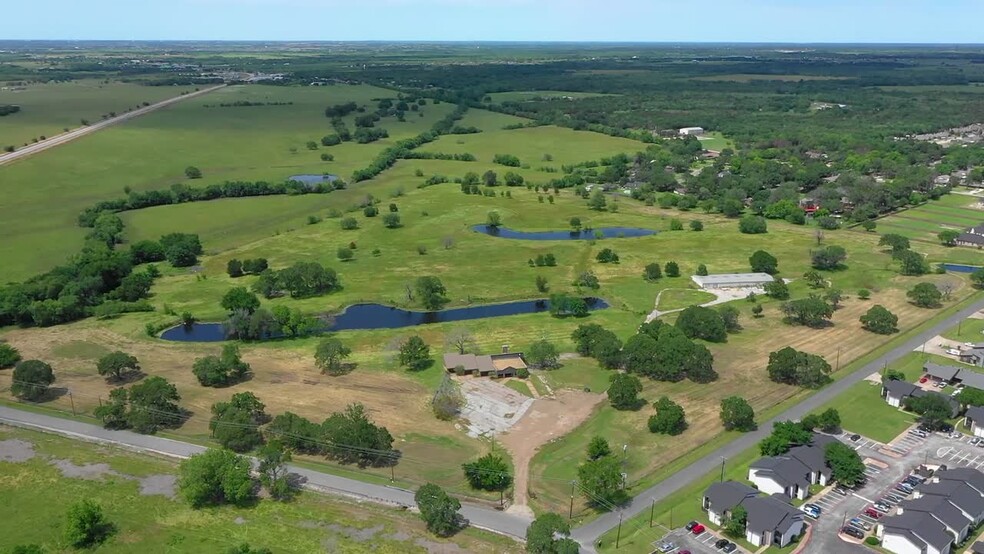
{"x": 378, "y": 316}
{"x": 584, "y": 234}
{"x": 313, "y": 178}
{"x": 960, "y": 268}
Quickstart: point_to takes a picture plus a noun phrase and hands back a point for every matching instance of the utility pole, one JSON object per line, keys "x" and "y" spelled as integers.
{"x": 838, "y": 359}
{"x": 570, "y": 515}
{"x": 723, "y": 461}
{"x": 652, "y": 510}
{"x": 618, "y": 534}
{"x": 72, "y": 400}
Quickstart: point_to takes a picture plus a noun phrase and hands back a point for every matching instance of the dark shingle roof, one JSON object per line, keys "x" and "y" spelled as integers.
{"x": 724, "y": 496}
{"x": 945, "y": 372}
{"x": 940, "y": 508}
{"x": 972, "y": 477}
{"x": 971, "y": 238}
{"x": 768, "y": 513}
{"x": 783, "y": 470}
{"x": 978, "y": 548}
{"x": 900, "y": 389}
{"x": 919, "y": 526}
{"x": 976, "y": 414}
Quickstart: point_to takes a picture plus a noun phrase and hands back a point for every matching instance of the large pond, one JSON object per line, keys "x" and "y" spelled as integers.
{"x": 960, "y": 268}
{"x": 313, "y": 178}
{"x": 584, "y": 234}
{"x": 377, "y": 316}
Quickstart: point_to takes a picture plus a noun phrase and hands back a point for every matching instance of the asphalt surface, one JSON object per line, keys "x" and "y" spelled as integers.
{"x": 63, "y": 138}
{"x": 478, "y": 516}
{"x": 589, "y": 533}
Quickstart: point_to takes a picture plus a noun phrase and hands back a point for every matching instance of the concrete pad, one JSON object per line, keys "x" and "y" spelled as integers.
{"x": 491, "y": 408}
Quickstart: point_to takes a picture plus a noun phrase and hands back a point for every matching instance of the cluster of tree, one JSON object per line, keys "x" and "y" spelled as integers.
{"x": 879, "y": 320}
{"x": 364, "y": 135}
{"x": 385, "y": 159}
{"x": 181, "y": 193}
{"x": 828, "y": 258}
{"x": 246, "y": 104}
{"x": 845, "y": 464}
{"x": 235, "y": 424}
{"x": 812, "y": 311}
{"x": 460, "y": 130}
{"x": 238, "y": 268}
{"x": 301, "y": 280}
{"x": 448, "y": 400}
{"x": 753, "y": 225}
{"x": 562, "y": 304}
{"x": 669, "y": 419}
{"x": 925, "y": 295}
{"x": 910, "y": 263}
{"x": 340, "y": 110}
{"x": 658, "y": 351}
{"x": 31, "y": 379}
{"x": 600, "y": 476}
{"x": 543, "y": 260}
{"x": 542, "y": 354}
{"x": 549, "y": 534}
{"x": 438, "y": 510}
{"x": 463, "y": 157}
{"x": 737, "y": 414}
{"x": 934, "y": 410}
{"x": 7, "y": 109}
{"x": 348, "y": 437}
{"x": 607, "y": 256}
{"x": 221, "y": 371}
{"x": 698, "y": 322}
{"x": 792, "y": 367}
{"x": 507, "y": 160}
{"x": 145, "y": 407}
{"x": 785, "y": 435}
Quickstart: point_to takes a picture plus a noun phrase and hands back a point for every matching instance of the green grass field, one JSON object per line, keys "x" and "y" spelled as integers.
{"x": 47, "y": 109}
{"x": 676, "y": 299}
{"x": 148, "y": 522}
{"x": 716, "y": 141}
{"x": 924, "y": 222}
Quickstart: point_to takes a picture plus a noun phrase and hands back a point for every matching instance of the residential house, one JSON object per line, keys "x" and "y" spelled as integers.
{"x": 895, "y": 392}
{"x": 721, "y": 498}
{"x": 973, "y": 355}
{"x": 792, "y": 473}
{"x": 973, "y": 236}
{"x": 914, "y": 533}
{"x": 496, "y": 365}
{"x": 939, "y": 372}
{"x": 975, "y": 419}
{"x": 772, "y": 521}
{"x": 977, "y": 548}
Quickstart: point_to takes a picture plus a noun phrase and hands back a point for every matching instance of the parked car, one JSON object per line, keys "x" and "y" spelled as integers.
{"x": 882, "y": 507}
{"x": 923, "y": 379}
{"x": 811, "y": 510}
{"x": 730, "y": 547}
{"x": 852, "y": 531}
{"x": 910, "y": 481}
{"x": 667, "y": 546}
{"x": 974, "y": 441}
{"x": 698, "y": 529}
{"x": 721, "y": 543}
{"x": 872, "y": 513}
{"x": 691, "y": 525}
{"x": 906, "y": 487}
{"x": 893, "y": 498}
{"x": 919, "y": 433}
{"x": 858, "y": 522}
{"x": 855, "y": 437}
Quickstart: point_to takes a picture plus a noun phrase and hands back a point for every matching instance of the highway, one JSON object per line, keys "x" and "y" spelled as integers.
{"x": 63, "y": 138}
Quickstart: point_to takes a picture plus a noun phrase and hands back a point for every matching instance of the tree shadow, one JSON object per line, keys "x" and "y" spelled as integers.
{"x": 127, "y": 378}
{"x": 50, "y": 394}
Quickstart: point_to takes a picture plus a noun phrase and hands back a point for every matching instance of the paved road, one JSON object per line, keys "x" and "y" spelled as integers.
{"x": 85, "y": 130}
{"x": 478, "y": 516}
{"x": 588, "y": 534}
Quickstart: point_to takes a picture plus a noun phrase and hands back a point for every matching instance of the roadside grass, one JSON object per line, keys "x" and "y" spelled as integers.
{"x": 864, "y": 411}
{"x": 145, "y": 522}
{"x": 969, "y": 330}
{"x": 48, "y": 108}
{"x": 675, "y": 299}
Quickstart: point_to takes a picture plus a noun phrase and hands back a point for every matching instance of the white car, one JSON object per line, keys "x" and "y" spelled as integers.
{"x": 953, "y": 351}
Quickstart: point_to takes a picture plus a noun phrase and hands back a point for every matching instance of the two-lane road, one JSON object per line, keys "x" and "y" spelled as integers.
{"x": 69, "y": 136}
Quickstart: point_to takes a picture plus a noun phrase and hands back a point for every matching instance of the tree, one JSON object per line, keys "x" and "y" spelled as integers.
{"x": 31, "y": 380}
{"x": 274, "y": 475}
{"x": 239, "y": 298}
{"x": 785, "y": 435}
{"x": 701, "y": 270}
{"x": 698, "y": 322}
{"x": 541, "y": 284}
{"x": 601, "y": 481}
{"x": 414, "y": 353}
{"x": 490, "y": 179}
{"x": 757, "y": 310}
{"x": 925, "y": 295}
{"x": 896, "y": 242}
{"x": 391, "y": 220}
{"x": 696, "y": 225}
{"x": 438, "y": 510}
{"x": 977, "y": 277}
{"x": 431, "y": 292}
{"x": 193, "y": 172}
{"x": 845, "y": 464}
{"x": 948, "y": 237}
{"x": 868, "y": 225}
{"x": 598, "y": 448}
{"x": 737, "y": 414}
{"x": 792, "y": 367}
{"x": 933, "y": 409}
{"x": 216, "y": 477}
{"x": 117, "y": 366}
{"x": 86, "y": 525}
{"x": 671, "y": 269}
{"x": 234, "y": 268}
{"x": 829, "y": 420}
{"x": 220, "y": 371}
{"x": 542, "y": 535}
{"x": 971, "y": 396}
{"x": 460, "y": 339}
{"x": 763, "y": 262}
{"x": 181, "y": 249}
{"x": 653, "y": 272}
{"x": 234, "y": 428}
{"x": 370, "y": 211}
{"x": 814, "y": 279}
{"x": 145, "y": 251}
{"x": 777, "y": 289}
{"x": 448, "y": 400}
{"x": 735, "y": 522}
{"x": 344, "y": 254}
{"x": 349, "y": 223}
{"x": 597, "y": 200}
{"x": 542, "y": 354}
{"x": 575, "y": 224}
{"x": 911, "y": 263}
{"x": 828, "y": 258}
{"x": 892, "y": 375}
{"x": 27, "y": 548}
{"x": 489, "y": 473}
{"x": 811, "y": 311}
{"x": 752, "y": 225}
{"x": 676, "y": 225}
{"x": 623, "y": 392}
{"x": 669, "y": 418}
{"x": 587, "y": 279}
{"x": 879, "y": 320}
{"x": 245, "y": 548}
{"x": 9, "y": 356}
{"x": 607, "y": 255}
{"x": 329, "y": 355}
{"x": 493, "y": 219}
{"x": 729, "y": 315}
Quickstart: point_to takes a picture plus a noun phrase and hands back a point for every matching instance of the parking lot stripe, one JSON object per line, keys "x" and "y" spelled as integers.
{"x": 861, "y": 497}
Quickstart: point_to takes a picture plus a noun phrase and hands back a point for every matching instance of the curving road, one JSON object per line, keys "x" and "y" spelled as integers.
{"x": 478, "y": 516}
{"x": 589, "y": 533}
{"x": 58, "y": 140}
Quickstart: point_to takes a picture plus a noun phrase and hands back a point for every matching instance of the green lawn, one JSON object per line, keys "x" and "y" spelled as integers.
{"x": 47, "y": 109}
{"x": 716, "y": 141}
{"x": 864, "y": 411}
{"x": 519, "y": 386}
{"x": 675, "y": 299}
{"x": 146, "y": 523}
{"x": 925, "y": 221}
{"x": 969, "y": 330}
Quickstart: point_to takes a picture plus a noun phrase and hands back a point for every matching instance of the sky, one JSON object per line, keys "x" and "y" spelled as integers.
{"x": 787, "y": 21}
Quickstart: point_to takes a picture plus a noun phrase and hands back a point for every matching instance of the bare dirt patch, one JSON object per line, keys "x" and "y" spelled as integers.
{"x": 164, "y": 485}
{"x": 89, "y": 472}
{"x": 16, "y": 451}
{"x": 547, "y": 419}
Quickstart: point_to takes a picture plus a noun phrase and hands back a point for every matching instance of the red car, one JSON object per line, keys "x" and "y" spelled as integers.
{"x": 698, "y": 529}
{"x": 872, "y": 513}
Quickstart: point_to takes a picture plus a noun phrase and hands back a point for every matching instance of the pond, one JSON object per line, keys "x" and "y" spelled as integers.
{"x": 960, "y": 268}
{"x": 313, "y": 178}
{"x": 584, "y": 234}
{"x": 378, "y": 316}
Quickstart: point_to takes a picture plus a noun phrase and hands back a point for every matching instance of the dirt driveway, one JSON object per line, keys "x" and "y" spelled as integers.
{"x": 547, "y": 419}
